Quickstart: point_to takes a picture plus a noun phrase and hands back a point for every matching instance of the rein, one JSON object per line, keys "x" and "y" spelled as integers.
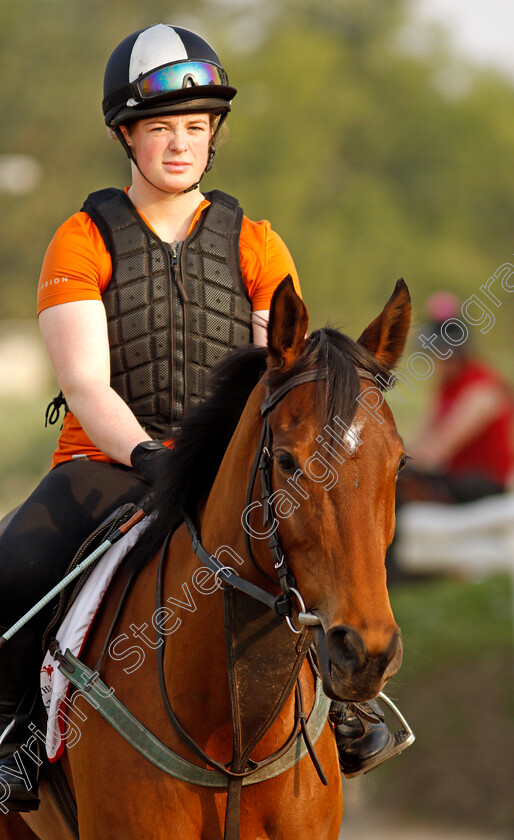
{"x": 241, "y": 770}
{"x": 280, "y": 604}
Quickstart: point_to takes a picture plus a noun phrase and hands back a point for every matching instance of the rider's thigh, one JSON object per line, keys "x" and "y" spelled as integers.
{"x": 41, "y": 539}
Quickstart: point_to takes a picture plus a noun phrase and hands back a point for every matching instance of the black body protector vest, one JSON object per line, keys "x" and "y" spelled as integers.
{"x": 172, "y": 312}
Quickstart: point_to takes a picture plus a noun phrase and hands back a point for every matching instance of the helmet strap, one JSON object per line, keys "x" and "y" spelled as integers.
{"x": 192, "y": 187}
{"x": 212, "y": 147}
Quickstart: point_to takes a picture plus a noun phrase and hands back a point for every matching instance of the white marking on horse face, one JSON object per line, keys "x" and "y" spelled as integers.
{"x": 352, "y": 436}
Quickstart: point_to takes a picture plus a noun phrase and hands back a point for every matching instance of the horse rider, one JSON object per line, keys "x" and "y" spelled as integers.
{"x": 135, "y": 272}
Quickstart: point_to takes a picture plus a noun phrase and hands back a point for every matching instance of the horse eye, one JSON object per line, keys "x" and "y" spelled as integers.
{"x": 286, "y": 462}
{"x": 403, "y": 461}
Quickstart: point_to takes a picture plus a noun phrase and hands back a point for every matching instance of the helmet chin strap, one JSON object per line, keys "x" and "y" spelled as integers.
{"x": 130, "y": 155}
{"x": 195, "y": 186}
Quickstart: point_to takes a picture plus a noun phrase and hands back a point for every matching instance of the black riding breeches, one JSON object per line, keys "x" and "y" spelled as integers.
{"x": 40, "y": 541}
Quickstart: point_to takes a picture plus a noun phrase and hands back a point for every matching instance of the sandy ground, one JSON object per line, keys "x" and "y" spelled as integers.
{"x": 362, "y": 822}
{"x": 365, "y": 828}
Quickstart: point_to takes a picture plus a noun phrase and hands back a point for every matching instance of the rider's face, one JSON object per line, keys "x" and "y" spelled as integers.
{"x": 172, "y": 150}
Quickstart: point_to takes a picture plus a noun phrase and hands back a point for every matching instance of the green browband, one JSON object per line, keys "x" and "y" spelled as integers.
{"x": 103, "y": 699}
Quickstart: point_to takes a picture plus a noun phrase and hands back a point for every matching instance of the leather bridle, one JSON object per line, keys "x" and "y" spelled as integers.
{"x": 281, "y": 604}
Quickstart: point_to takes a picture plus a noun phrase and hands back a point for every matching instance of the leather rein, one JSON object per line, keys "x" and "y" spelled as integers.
{"x": 241, "y": 770}
{"x": 281, "y": 605}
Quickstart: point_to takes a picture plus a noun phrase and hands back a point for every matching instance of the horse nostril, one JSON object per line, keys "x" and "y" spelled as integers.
{"x": 345, "y": 648}
{"x": 393, "y": 655}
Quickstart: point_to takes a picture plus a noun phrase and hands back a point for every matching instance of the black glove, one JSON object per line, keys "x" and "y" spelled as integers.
{"x": 151, "y": 459}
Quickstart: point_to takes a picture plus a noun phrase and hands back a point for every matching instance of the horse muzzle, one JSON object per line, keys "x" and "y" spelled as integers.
{"x": 347, "y": 670}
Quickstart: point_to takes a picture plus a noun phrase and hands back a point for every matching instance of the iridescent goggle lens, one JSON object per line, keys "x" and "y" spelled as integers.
{"x": 180, "y": 75}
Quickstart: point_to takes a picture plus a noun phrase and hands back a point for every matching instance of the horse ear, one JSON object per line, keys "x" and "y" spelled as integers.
{"x": 386, "y": 336}
{"x": 288, "y": 322}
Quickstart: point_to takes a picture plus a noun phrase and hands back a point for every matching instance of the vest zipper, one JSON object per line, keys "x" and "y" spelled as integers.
{"x": 178, "y": 324}
{"x": 176, "y": 273}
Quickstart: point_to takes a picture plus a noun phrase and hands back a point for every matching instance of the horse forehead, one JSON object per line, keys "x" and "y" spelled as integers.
{"x": 379, "y": 427}
{"x": 298, "y": 406}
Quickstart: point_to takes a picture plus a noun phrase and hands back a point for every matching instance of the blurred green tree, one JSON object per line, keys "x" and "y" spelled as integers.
{"x": 369, "y": 160}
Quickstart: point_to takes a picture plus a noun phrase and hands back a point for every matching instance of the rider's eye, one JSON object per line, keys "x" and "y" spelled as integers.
{"x": 403, "y": 461}
{"x": 286, "y": 462}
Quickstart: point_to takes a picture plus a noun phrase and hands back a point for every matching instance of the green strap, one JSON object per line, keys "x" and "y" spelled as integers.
{"x": 169, "y": 762}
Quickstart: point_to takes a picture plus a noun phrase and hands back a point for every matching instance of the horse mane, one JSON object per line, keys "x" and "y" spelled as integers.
{"x": 330, "y": 350}
{"x": 205, "y": 430}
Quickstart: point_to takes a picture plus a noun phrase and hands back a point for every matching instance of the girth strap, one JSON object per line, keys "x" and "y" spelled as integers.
{"x": 233, "y": 810}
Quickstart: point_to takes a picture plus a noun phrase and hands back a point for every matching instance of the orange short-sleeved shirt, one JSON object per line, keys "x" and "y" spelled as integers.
{"x": 77, "y": 266}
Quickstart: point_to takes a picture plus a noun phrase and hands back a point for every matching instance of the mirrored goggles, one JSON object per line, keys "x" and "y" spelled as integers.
{"x": 177, "y": 76}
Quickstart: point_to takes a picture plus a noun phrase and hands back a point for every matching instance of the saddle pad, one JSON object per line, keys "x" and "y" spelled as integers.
{"x": 72, "y": 634}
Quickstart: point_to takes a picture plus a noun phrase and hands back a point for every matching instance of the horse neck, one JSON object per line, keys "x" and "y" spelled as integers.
{"x": 263, "y": 655}
{"x": 220, "y": 520}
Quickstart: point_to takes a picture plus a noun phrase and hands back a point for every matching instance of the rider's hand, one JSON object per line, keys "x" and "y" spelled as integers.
{"x": 151, "y": 459}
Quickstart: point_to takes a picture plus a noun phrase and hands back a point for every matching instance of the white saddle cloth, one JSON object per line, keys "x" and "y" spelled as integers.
{"x": 72, "y": 635}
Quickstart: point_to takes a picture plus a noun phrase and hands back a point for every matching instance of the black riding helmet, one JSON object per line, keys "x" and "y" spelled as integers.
{"x": 162, "y": 70}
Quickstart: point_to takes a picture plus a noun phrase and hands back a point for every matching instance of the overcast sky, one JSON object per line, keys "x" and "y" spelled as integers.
{"x": 482, "y": 29}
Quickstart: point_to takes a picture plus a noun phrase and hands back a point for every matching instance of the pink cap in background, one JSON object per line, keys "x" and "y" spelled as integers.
{"x": 442, "y": 305}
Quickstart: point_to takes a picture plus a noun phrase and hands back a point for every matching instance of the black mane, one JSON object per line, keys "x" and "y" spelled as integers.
{"x": 206, "y": 430}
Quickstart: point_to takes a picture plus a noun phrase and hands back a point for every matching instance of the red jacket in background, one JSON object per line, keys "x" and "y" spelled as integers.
{"x": 489, "y": 454}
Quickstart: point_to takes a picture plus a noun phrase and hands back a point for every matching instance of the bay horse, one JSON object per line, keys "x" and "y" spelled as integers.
{"x": 332, "y": 465}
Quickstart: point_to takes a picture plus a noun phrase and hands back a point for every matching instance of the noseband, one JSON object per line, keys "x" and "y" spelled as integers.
{"x": 281, "y": 604}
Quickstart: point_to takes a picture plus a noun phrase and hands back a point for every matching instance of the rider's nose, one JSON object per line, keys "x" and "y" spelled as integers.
{"x": 178, "y": 140}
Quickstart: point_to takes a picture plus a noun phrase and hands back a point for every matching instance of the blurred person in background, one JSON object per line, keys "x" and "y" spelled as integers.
{"x": 140, "y": 294}
{"x": 465, "y": 451}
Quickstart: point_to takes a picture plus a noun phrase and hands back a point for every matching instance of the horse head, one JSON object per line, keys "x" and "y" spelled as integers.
{"x": 336, "y": 455}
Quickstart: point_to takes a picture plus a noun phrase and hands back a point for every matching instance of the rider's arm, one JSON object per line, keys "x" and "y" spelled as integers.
{"x": 75, "y": 335}
{"x": 478, "y": 405}
{"x": 265, "y": 261}
{"x": 260, "y": 318}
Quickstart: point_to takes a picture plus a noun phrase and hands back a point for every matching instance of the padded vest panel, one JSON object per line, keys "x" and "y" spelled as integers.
{"x": 161, "y": 346}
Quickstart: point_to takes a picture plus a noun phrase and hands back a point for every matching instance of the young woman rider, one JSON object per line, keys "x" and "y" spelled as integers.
{"x": 133, "y": 274}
